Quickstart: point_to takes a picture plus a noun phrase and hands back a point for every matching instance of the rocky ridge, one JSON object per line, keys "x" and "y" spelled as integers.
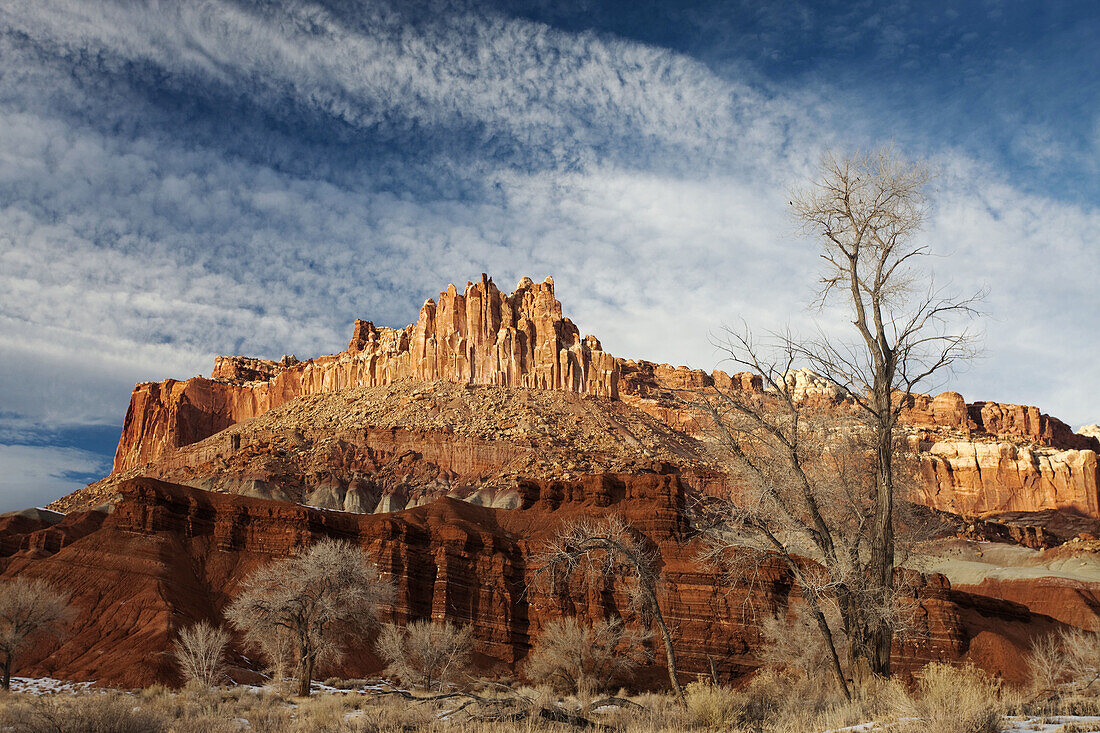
{"x": 976, "y": 458}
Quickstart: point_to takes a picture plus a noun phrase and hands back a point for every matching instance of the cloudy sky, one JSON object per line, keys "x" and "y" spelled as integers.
{"x": 179, "y": 180}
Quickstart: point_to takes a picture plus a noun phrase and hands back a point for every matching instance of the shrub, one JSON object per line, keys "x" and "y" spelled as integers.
{"x": 713, "y": 706}
{"x": 957, "y": 700}
{"x": 572, "y": 657}
{"x": 82, "y": 714}
{"x": 200, "y": 653}
{"x": 426, "y": 653}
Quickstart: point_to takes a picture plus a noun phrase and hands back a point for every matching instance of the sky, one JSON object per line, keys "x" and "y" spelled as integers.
{"x": 180, "y": 180}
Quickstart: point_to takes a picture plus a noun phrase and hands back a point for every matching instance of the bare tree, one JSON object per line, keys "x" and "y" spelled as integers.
{"x": 321, "y": 597}
{"x": 28, "y": 609}
{"x": 611, "y": 549}
{"x": 200, "y": 653}
{"x": 1067, "y": 661}
{"x": 816, "y": 451}
{"x": 573, "y": 657}
{"x": 278, "y": 648}
{"x": 428, "y": 653}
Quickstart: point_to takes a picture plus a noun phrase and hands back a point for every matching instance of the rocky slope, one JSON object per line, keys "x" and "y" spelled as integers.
{"x": 371, "y": 449}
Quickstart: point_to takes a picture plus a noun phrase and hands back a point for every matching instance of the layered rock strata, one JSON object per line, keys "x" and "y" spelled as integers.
{"x": 973, "y": 478}
{"x": 976, "y": 458}
{"x": 169, "y": 555}
{"x": 480, "y": 336}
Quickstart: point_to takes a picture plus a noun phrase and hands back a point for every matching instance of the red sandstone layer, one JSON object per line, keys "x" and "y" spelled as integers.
{"x": 169, "y": 555}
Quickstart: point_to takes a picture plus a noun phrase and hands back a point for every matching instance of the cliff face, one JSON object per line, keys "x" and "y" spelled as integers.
{"x": 975, "y": 458}
{"x": 169, "y": 555}
{"x": 480, "y": 336}
{"x": 980, "y": 478}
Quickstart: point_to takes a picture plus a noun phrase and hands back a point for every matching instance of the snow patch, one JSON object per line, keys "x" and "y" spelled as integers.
{"x": 47, "y": 686}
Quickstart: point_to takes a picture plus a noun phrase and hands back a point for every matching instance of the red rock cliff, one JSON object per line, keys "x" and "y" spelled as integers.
{"x": 479, "y": 336}
{"x": 169, "y": 555}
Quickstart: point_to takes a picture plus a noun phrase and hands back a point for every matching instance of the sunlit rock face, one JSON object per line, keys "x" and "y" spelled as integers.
{"x": 975, "y": 458}
{"x": 480, "y": 336}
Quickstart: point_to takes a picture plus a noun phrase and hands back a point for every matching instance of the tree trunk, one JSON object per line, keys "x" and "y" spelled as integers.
{"x": 305, "y": 670}
{"x": 5, "y": 683}
{"x": 830, "y": 643}
{"x": 670, "y": 655}
{"x": 880, "y": 631}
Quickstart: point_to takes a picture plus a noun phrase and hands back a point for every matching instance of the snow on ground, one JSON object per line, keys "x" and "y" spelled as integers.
{"x": 1041, "y": 724}
{"x": 1053, "y": 724}
{"x": 46, "y": 685}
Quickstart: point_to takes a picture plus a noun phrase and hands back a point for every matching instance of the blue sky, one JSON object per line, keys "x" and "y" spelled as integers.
{"x": 179, "y": 180}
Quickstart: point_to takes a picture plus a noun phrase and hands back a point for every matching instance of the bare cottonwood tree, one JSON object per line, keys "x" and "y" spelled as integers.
{"x": 426, "y": 652}
{"x": 321, "y": 597}
{"x": 28, "y": 609}
{"x": 574, "y": 657}
{"x": 818, "y": 479}
{"x": 200, "y": 653}
{"x": 611, "y": 549}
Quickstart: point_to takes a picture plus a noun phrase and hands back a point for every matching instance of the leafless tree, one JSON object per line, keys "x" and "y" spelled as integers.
{"x": 573, "y": 657}
{"x": 28, "y": 609}
{"x": 200, "y": 653}
{"x": 1067, "y": 661}
{"x": 321, "y": 597}
{"x": 611, "y": 549}
{"x": 792, "y": 642}
{"x": 428, "y": 653}
{"x": 816, "y": 450}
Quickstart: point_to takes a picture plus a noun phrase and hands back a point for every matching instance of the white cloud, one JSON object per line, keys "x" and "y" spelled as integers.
{"x": 134, "y": 245}
{"x": 33, "y": 475}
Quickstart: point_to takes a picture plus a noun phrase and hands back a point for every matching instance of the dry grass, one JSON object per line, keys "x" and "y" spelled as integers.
{"x": 956, "y": 700}
{"x": 947, "y": 700}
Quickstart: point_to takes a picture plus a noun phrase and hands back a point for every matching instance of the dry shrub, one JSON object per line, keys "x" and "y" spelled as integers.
{"x": 956, "y": 700}
{"x": 200, "y": 653}
{"x": 713, "y": 706}
{"x": 572, "y": 657}
{"x": 1066, "y": 663}
{"x": 426, "y": 653}
{"x": 793, "y": 643}
{"x": 89, "y": 713}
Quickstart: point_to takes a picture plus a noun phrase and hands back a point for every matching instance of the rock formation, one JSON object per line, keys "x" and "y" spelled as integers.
{"x": 169, "y": 555}
{"x": 480, "y": 336}
{"x": 976, "y": 458}
{"x": 455, "y": 446}
{"x": 976, "y": 478}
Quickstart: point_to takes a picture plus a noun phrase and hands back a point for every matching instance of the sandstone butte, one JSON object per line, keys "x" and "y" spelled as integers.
{"x": 453, "y": 448}
{"x": 976, "y": 458}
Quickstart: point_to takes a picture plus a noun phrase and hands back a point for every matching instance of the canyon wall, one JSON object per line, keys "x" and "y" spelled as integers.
{"x": 169, "y": 555}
